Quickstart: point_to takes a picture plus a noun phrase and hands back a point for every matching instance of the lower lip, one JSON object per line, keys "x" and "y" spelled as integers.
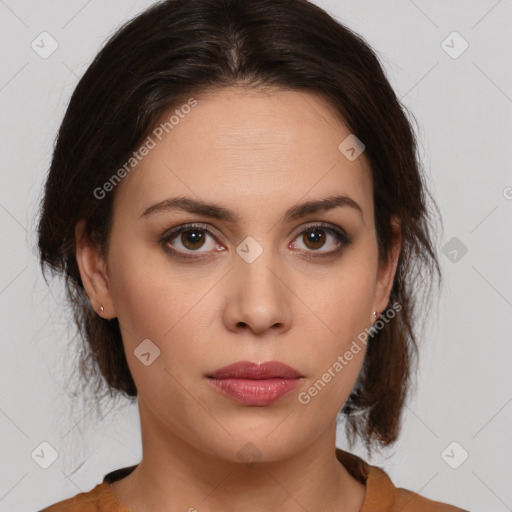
{"x": 255, "y": 392}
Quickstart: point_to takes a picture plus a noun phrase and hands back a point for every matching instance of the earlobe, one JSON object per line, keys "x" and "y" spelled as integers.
{"x": 93, "y": 272}
{"x": 387, "y": 270}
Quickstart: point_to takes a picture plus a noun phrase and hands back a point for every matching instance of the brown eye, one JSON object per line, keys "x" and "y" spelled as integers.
{"x": 320, "y": 236}
{"x": 186, "y": 241}
{"x": 192, "y": 238}
{"x": 314, "y": 238}
{"x": 194, "y": 241}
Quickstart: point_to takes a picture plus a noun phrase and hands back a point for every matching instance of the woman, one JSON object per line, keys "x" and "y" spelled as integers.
{"x": 237, "y": 206}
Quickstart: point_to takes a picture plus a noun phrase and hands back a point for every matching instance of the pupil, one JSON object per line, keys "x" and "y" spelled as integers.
{"x": 316, "y": 237}
{"x": 191, "y": 237}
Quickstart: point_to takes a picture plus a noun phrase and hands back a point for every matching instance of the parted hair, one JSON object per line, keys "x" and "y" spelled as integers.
{"x": 180, "y": 48}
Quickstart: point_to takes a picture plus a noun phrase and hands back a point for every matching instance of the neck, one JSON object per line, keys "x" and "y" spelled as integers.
{"x": 175, "y": 475}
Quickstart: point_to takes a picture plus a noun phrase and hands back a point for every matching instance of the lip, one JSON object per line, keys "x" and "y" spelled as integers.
{"x": 250, "y": 370}
{"x": 255, "y": 383}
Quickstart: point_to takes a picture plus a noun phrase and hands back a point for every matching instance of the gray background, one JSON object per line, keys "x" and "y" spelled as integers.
{"x": 463, "y": 106}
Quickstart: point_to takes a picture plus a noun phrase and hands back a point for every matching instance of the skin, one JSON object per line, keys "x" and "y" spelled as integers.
{"x": 257, "y": 153}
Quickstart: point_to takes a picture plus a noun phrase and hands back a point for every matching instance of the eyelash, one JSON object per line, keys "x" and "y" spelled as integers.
{"x": 337, "y": 233}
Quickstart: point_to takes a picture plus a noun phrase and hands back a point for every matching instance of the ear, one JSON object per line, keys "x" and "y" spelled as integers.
{"x": 93, "y": 271}
{"x": 386, "y": 271}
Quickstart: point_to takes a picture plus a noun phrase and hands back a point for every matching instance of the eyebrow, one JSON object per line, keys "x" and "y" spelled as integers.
{"x": 216, "y": 211}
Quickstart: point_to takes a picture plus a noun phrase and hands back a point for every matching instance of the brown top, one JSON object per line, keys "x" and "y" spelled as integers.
{"x": 381, "y": 494}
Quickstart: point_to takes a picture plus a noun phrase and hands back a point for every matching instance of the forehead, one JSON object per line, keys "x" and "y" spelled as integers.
{"x": 248, "y": 146}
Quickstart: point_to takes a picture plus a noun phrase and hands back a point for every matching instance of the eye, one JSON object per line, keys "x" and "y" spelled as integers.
{"x": 185, "y": 241}
{"x": 190, "y": 238}
{"x": 316, "y": 236}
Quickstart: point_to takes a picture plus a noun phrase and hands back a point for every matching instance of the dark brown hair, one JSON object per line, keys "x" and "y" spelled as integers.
{"x": 180, "y": 48}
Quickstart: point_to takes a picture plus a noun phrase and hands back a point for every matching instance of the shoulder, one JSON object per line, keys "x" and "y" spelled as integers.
{"x": 98, "y": 498}
{"x": 381, "y": 489}
{"x": 83, "y": 502}
{"x": 381, "y": 493}
{"x": 408, "y": 501}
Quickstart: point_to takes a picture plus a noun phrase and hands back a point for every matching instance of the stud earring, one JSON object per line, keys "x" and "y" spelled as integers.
{"x": 375, "y": 315}
{"x": 102, "y": 309}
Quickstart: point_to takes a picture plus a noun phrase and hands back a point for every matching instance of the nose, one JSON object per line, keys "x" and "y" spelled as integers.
{"x": 257, "y": 298}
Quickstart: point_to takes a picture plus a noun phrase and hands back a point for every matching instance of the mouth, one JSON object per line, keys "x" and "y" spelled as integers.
{"x": 257, "y": 384}
{"x": 256, "y": 371}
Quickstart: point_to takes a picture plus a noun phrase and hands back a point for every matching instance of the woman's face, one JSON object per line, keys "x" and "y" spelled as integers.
{"x": 257, "y": 284}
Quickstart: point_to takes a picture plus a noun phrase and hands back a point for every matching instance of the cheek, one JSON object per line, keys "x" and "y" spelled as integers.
{"x": 148, "y": 299}
{"x": 344, "y": 299}
{"x": 336, "y": 358}
{"x": 138, "y": 304}
{"x": 166, "y": 308}
{"x": 343, "y": 302}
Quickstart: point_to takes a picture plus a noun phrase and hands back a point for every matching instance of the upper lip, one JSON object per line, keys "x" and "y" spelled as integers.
{"x": 250, "y": 370}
